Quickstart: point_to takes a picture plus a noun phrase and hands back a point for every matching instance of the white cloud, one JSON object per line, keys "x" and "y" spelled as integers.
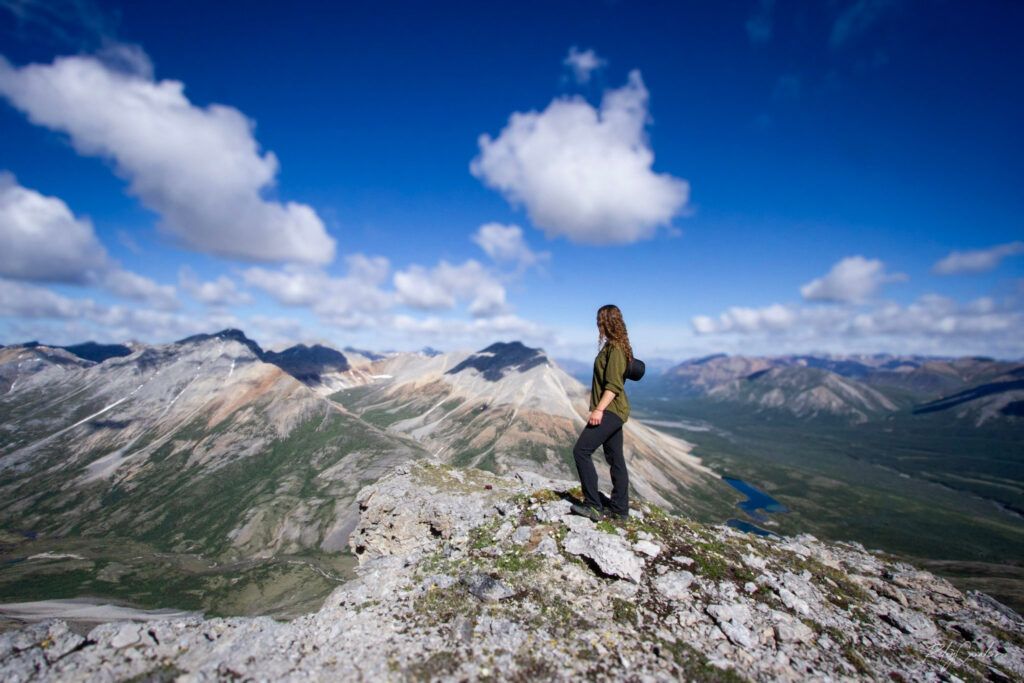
{"x": 976, "y": 260}
{"x": 297, "y": 285}
{"x": 352, "y": 301}
{"x": 854, "y": 279}
{"x": 505, "y": 244}
{"x": 44, "y": 242}
{"x": 270, "y": 331}
{"x": 360, "y": 299}
{"x": 931, "y": 324}
{"x": 440, "y": 287}
{"x": 137, "y": 287}
{"x": 584, "y": 173}
{"x": 219, "y": 292}
{"x": 199, "y": 168}
{"x": 776, "y": 317}
{"x": 293, "y": 286}
{"x": 23, "y": 300}
{"x": 118, "y": 323}
{"x": 42, "y": 239}
{"x": 583, "y": 64}
{"x": 470, "y": 332}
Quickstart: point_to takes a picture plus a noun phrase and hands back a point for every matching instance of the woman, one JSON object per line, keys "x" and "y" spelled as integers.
{"x": 609, "y": 410}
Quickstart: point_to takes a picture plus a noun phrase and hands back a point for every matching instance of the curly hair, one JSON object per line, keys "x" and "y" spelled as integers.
{"x": 612, "y": 330}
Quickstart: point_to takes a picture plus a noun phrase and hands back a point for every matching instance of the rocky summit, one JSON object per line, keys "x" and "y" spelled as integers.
{"x": 465, "y": 575}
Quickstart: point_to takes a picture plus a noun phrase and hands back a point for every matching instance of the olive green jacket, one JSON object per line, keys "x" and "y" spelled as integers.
{"x": 609, "y": 375}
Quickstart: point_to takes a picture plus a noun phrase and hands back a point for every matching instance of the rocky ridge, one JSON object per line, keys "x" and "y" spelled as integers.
{"x": 465, "y": 575}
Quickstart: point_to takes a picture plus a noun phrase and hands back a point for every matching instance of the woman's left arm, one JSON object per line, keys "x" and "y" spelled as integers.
{"x": 598, "y": 413}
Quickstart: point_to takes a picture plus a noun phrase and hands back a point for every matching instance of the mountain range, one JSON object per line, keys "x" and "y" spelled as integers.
{"x": 859, "y": 389}
{"x": 225, "y": 460}
{"x": 215, "y": 452}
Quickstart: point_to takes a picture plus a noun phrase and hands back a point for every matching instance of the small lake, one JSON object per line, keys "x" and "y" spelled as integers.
{"x": 756, "y": 500}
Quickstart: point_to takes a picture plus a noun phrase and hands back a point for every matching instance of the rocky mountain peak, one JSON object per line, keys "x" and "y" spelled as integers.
{"x": 466, "y": 575}
{"x": 229, "y": 334}
{"x": 500, "y": 358}
{"x": 308, "y": 363}
{"x": 98, "y": 353}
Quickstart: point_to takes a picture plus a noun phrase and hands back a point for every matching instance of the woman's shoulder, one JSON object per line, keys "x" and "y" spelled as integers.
{"x": 611, "y": 348}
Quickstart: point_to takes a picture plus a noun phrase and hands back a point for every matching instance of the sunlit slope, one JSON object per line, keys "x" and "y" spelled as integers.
{"x": 509, "y": 407}
{"x": 197, "y": 446}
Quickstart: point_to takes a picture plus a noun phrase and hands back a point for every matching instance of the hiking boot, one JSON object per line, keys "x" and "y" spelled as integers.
{"x": 610, "y": 514}
{"x": 591, "y": 513}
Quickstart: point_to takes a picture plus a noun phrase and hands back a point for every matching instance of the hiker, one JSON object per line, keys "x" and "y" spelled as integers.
{"x": 609, "y": 410}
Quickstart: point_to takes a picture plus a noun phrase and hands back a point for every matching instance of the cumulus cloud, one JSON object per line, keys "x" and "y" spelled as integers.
{"x": 976, "y": 260}
{"x": 468, "y": 332}
{"x": 277, "y": 330}
{"x": 583, "y": 64}
{"x": 298, "y": 285}
{"x": 24, "y": 300}
{"x": 137, "y": 287}
{"x": 199, "y": 168}
{"x": 220, "y": 292}
{"x": 352, "y": 301}
{"x": 776, "y": 317}
{"x": 118, "y": 323}
{"x": 505, "y": 244}
{"x": 43, "y": 240}
{"x": 584, "y": 173}
{"x": 854, "y": 279}
{"x": 440, "y": 287}
{"x": 930, "y": 324}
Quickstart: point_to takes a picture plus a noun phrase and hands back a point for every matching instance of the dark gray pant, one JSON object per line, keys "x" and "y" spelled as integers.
{"x": 609, "y": 435}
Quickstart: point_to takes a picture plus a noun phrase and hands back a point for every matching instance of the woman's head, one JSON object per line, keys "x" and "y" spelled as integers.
{"x": 612, "y": 329}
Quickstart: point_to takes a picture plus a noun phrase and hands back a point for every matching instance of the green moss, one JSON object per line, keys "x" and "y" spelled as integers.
{"x": 842, "y": 591}
{"x": 624, "y": 612}
{"x": 515, "y": 560}
{"x": 851, "y": 655}
{"x": 544, "y": 496}
{"x": 437, "y": 665}
{"x": 161, "y": 674}
{"x": 442, "y": 605}
{"x": 695, "y": 665}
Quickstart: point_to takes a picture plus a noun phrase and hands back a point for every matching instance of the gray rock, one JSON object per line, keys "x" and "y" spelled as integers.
{"x": 647, "y": 548}
{"x": 577, "y": 523}
{"x": 487, "y": 588}
{"x": 125, "y": 636}
{"x": 62, "y": 640}
{"x": 675, "y": 585}
{"x": 793, "y": 631}
{"x": 391, "y": 623}
{"x": 734, "y": 620}
{"x": 611, "y": 554}
{"x": 553, "y": 511}
{"x": 522, "y": 534}
{"x": 547, "y": 547}
{"x": 911, "y": 622}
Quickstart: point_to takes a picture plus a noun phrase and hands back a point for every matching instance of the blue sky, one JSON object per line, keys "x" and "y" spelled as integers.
{"x": 749, "y": 177}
